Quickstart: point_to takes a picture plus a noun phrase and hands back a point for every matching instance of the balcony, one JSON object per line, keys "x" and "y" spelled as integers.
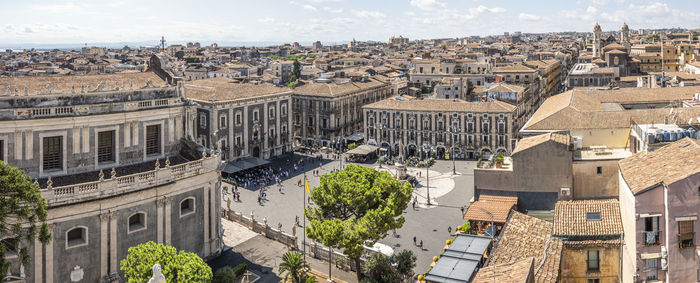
{"x": 651, "y": 238}
{"x": 111, "y": 186}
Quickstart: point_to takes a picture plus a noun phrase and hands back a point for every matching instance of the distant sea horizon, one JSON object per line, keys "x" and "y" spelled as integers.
{"x": 136, "y": 44}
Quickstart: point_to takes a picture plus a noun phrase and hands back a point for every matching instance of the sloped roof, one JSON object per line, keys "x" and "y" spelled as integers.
{"x": 498, "y": 206}
{"x": 511, "y": 272}
{"x": 571, "y": 219}
{"x": 669, "y": 164}
{"x": 583, "y": 108}
{"x": 442, "y": 105}
{"x": 76, "y": 84}
{"x": 524, "y": 237}
{"x": 529, "y": 142}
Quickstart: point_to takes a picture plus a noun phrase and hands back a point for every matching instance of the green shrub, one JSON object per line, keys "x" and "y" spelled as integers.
{"x": 225, "y": 275}
{"x": 311, "y": 279}
{"x": 240, "y": 269}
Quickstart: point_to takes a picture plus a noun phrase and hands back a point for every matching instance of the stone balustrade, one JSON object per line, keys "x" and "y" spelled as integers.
{"x": 118, "y": 185}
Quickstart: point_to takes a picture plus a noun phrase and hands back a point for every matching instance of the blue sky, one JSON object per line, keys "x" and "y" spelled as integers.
{"x": 61, "y": 21}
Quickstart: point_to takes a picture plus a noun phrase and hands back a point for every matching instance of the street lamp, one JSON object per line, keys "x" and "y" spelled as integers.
{"x": 381, "y": 128}
{"x": 428, "y": 151}
{"x": 493, "y": 240}
{"x": 453, "y": 130}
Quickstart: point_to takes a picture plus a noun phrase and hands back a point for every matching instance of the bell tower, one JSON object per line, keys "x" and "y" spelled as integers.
{"x": 597, "y": 36}
{"x": 625, "y": 36}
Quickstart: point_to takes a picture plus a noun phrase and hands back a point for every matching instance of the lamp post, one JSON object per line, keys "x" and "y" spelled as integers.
{"x": 493, "y": 240}
{"x": 428, "y": 151}
{"x": 380, "y": 126}
{"x": 453, "y": 130}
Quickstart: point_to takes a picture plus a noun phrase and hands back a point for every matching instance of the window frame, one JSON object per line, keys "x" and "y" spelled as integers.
{"x": 590, "y": 268}
{"x": 144, "y": 225}
{"x": 115, "y": 142}
{"x": 160, "y": 136}
{"x": 223, "y": 121}
{"x": 84, "y": 235}
{"x": 192, "y": 210}
{"x": 61, "y": 152}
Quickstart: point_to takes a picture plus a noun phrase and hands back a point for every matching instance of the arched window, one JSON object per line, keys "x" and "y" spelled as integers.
{"x": 137, "y": 222}
{"x": 187, "y": 206}
{"x": 76, "y": 237}
{"x": 11, "y": 246}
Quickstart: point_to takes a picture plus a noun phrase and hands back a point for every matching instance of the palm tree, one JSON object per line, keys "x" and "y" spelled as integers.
{"x": 294, "y": 262}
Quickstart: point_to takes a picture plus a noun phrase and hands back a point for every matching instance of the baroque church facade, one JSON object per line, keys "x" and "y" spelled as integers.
{"x": 614, "y": 52}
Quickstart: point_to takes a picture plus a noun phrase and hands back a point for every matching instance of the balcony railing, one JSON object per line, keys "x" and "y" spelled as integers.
{"x": 651, "y": 237}
{"x": 114, "y": 185}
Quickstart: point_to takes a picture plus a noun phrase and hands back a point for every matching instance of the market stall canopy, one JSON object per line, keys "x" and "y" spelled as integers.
{"x": 355, "y": 137}
{"x": 244, "y": 163}
{"x": 363, "y": 149}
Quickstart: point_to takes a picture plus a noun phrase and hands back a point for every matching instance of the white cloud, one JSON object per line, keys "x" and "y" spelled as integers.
{"x": 428, "y": 5}
{"x": 310, "y": 8}
{"x": 481, "y": 9}
{"x": 332, "y": 10}
{"x": 325, "y": 1}
{"x": 266, "y": 20}
{"x": 529, "y": 17}
{"x": 368, "y": 14}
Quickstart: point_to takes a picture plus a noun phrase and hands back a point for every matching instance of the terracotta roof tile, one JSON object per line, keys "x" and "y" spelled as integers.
{"x": 498, "y": 206}
{"x": 519, "y": 271}
{"x": 224, "y": 89}
{"x": 524, "y": 237}
{"x": 669, "y": 164}
{"x": 529, "y": 142}
{"x": 75, "y": 84}
{"x": 576, "y": 218}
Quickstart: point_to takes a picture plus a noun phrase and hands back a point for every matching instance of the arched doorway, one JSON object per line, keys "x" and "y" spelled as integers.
{"x": 411, "y": 150}
{"x": 441, "y": 152}
{"x": 256, "y": 152}
{"x": 501, "y": 152}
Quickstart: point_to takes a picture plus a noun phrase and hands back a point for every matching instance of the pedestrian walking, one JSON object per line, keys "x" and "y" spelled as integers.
{"x": 414, "y": 240}
{"x": 449, "y": 230}
{"x": 297, "y": 220}
{"x": 462, "y": 209}
{"x": 413, "y": 203}
{"x": 421, "y": 244}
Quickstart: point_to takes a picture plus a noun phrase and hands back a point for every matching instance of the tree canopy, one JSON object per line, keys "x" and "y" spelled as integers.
{"x": 22, "y": 208}
{"x": 405, "y": 262}
{"x": 379, "y": 270}
{"x": 355, "y": 207}
{"x": 176, "y": 266}
{"x": 293, "y": 262}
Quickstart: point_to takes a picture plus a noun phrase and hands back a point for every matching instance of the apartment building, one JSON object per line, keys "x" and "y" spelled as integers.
{"x": 326, "y": 110}
{"x": 241, "y": 119}
{"x": 404, "y": 125}
{"x": 659, "y": 204}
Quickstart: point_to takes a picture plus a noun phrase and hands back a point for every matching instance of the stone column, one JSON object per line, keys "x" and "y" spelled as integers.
{"x": 49, "y": 257}
{"x": 168, "y": 227}
{"x": 127, "y": 134}
{"x": 76, "y": 140}
{"x": 29, "y": 140}
{"x": 135, "y": 126}
{"x": 278, "y": 118}
{"x": 86, "y": 139}
{"x": 113, "y": 260}
{"x": 318, "y": 121}
{"x": 246, "y": 137}
{"x": 207, "y": 207}
{"x": 265, "y": 129}
{"x": 160, "y": 204}
{"x": 231, "y": 122}
{"x": 18, "y": 145}
{"x": 38, "y": 264}
{"x": 104, "y": 253}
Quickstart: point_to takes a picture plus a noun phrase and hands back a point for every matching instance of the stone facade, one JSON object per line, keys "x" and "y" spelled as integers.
{"x": 109, "y": 164}
{"x": 470, "y": 128}
{"x": 326, "y": 112}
